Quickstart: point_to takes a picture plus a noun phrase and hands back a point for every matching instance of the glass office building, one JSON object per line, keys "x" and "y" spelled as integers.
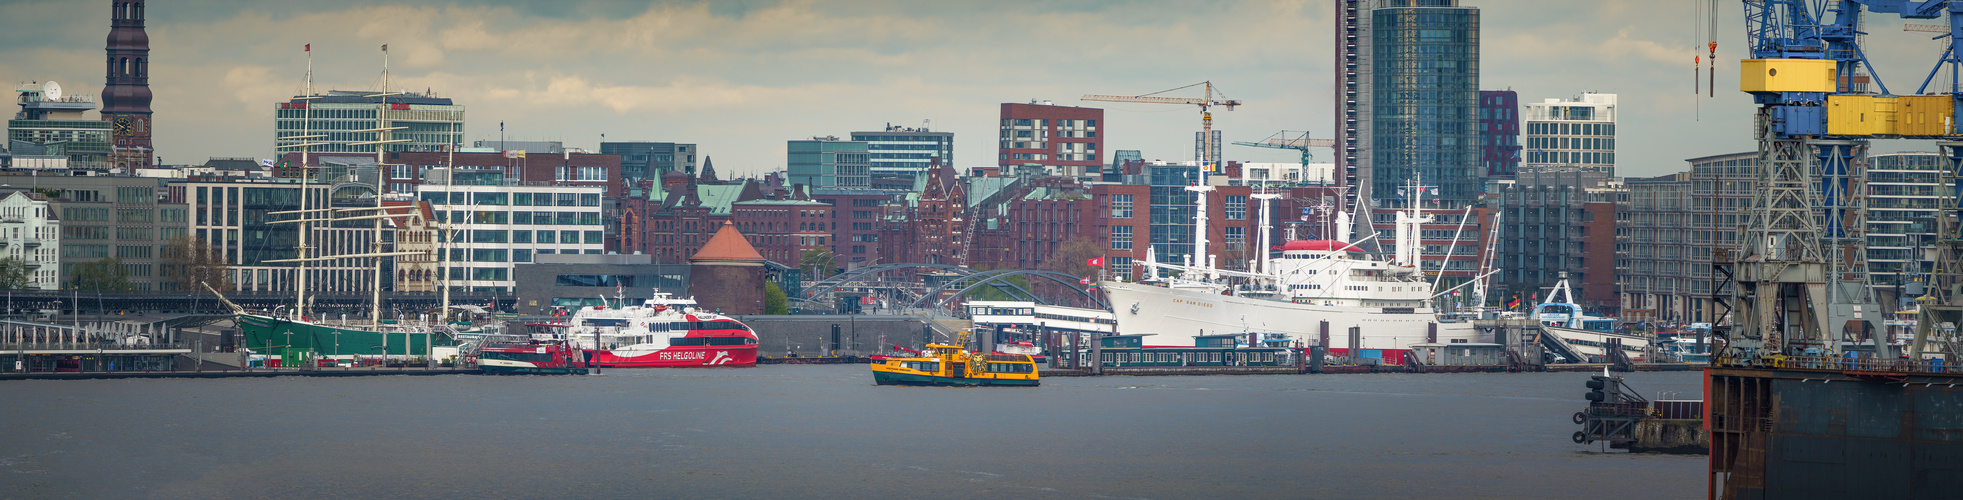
{"x": 1424, "y": 101}
{"x": 826, "y": 162}
{"x": 349, "y": 120}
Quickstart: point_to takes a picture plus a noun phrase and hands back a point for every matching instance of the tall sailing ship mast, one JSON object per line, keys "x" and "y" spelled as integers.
{"x": 301, "y": 332}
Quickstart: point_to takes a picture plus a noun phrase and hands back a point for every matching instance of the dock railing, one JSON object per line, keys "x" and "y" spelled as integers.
{"x": 1844, "y": 364}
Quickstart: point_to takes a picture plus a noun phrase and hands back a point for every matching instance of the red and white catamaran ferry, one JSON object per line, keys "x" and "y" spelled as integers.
{"x": 663, "y": 332}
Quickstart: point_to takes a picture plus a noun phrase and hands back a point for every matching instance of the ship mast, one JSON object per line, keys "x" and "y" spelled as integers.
{"x": 306, "y": 130}
{"x": 382, "y": 122}
{"x": 384, "y": 136}
{"x": 1267, "y": 229}
{"x": 304, "y": 224}
{"x": 1199, "y": 258}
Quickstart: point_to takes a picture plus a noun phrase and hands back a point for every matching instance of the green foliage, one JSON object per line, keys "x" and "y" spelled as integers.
{"x": 190, "y": 260}
{"x": 993, "y": 293}
{"x": 13, "y": 274}
{"x": 774, "y": 300}
{"x": 817, "y": 263}
{"x": 102, "y": 275}
{"x": 1071, "y": 258}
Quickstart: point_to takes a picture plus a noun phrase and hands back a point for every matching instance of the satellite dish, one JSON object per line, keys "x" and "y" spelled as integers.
{"x": 51, "y": 91}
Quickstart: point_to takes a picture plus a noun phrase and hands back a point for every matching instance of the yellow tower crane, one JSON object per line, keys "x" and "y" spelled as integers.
{"x": 1206, "y": 105}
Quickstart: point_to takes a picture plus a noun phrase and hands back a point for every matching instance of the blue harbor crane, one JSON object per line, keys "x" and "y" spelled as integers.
{"x": 1801, "y": 277}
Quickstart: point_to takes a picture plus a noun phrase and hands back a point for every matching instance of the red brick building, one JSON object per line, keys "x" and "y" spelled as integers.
{"x": 782, "y": 230}
{"x": 938, "y": 223}
{"x": 1066, "y": 138}
{"x": 673, "y": 221}
{"x": 856, "y": 216}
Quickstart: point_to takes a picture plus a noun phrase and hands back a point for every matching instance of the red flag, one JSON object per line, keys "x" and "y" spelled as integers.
{"x": 1095, "y": 262}
{"x": 310, "y": 48}
{"x": 1085, "y": 281}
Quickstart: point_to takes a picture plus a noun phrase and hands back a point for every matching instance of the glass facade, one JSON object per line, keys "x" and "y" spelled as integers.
{"x": 1172, "y": 210}
{"x": 1425, "y": 101}
{"x": 830, "y": 163}
{"x": 649, "y": 160}
{"x": 84, "y": 142}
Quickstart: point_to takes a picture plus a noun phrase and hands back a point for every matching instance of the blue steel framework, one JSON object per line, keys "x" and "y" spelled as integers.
{"x": 1802, "y": 249}
{"x": 1802, "y": 268}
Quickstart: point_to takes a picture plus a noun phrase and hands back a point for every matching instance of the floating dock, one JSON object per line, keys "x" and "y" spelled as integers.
{"x": 1835, "y": 428}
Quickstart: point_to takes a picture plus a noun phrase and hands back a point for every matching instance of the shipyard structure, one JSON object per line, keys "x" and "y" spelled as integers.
{"x": 1805, "y": 396}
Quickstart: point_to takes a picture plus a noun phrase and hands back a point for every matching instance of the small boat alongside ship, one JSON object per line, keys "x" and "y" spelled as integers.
{"x": 545, "y": 353}
{"x": 953, "y": 365}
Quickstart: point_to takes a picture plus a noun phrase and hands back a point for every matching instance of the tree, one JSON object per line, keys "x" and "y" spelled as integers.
{"x": 817, "y": 263}
{"x": 102, "y": 275}
{"x": 190, "y": 260}
{"x": 774, "y": 300}
{"x": 14, "y": 275}
{"x": 1073, "y": 256}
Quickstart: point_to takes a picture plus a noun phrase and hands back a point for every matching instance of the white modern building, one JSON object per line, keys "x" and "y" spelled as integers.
{"x": 494, "y": 226}
{"x": 28, "y": 232}
{"x": 906, "y": 151}
{"x": 1904, "y": 191}
{"x": 355, "y": 121}
{"x": 1284, "y": 174}
{"x": 238, "y": 218}
{"x": 1576, "y": 133}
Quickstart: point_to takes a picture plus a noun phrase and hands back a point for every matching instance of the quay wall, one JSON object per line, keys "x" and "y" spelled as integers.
{"x": 780, "y": 336}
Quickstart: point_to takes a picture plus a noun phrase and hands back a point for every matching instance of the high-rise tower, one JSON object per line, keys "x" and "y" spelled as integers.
{"x": 1407, "y": 95}
{"x": 126, "y": 96}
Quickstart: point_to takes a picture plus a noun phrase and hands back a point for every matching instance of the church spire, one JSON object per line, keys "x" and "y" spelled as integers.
{"x": 126, "y": 94}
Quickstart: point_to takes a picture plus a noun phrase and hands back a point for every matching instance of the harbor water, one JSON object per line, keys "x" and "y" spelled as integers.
{"x": 824, "y": 431}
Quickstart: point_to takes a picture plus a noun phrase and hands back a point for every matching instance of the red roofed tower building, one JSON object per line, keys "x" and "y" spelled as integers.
{"x": 726, "y": 276}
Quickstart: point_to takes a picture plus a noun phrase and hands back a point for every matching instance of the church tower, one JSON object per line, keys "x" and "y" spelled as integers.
{"x": 126, "y": 97}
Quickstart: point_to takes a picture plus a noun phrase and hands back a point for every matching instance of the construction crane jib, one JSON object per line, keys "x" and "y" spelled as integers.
{"x": 1799, "y": 280}
{"x": 1206, "y": 105}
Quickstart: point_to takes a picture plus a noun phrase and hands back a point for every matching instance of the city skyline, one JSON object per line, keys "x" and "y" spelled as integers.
{"x": 741, "y": 79}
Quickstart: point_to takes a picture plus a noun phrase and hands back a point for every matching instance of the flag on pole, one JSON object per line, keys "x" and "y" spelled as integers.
{"x": 310, "y": 48}
{"x": 1085, "y": 281}
{"x": 1095, "y": 262}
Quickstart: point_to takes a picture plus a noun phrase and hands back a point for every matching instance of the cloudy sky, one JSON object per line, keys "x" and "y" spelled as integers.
{"x": 741, "y": 77}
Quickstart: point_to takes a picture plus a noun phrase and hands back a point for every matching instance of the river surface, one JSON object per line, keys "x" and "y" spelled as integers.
{"x": 824, "y": 431}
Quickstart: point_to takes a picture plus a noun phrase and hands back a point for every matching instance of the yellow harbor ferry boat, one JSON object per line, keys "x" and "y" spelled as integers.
{"x": 953, "y": 365}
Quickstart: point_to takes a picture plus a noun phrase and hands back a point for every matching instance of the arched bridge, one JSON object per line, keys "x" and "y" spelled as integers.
{"x": 942, "y": 283}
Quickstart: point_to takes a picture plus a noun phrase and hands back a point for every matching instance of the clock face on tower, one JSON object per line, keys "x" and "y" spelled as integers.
{"x": 123, "y": 125}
